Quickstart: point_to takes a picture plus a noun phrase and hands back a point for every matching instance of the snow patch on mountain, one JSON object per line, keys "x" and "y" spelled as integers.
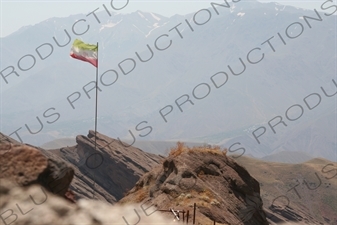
{"x": 138, "y": 29}
{"x": 155, "y": 25}
{"x": 155, "y": 17}
{"x": 141, "y": 15}
{"x": 109, "y": 25}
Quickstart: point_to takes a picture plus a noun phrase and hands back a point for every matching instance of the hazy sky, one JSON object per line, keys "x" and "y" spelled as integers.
{"x": 16, "y": 14}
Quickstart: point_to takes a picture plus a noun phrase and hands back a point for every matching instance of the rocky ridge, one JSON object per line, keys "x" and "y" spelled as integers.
{"x": 107, "y": 172}
{"x": 223, "y": 190}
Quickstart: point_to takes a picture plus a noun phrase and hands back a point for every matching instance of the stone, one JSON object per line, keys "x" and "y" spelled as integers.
{"x": 25, "y": 165}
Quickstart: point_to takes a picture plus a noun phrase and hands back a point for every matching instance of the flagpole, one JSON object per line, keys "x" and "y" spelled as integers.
{"x": 96, "y": 118}
{"x": 96, "y": 101}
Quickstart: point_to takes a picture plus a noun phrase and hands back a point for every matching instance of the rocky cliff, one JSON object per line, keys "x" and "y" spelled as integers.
{"x": 223, "y": 190}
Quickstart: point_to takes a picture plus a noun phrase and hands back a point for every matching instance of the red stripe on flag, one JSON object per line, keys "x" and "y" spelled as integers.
{"x": 91, "y": 61}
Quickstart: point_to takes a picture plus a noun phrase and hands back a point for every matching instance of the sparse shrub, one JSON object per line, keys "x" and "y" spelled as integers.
{"x": 181, "y": 196}
{"x": 204, "y": 198}
{"x": 215, "y": 202}
{"x": 189, "y": 196}
{"x": 224, "y": 151}
{"x": 141, "y": 195}
{"x": 207, "y": 192}
{"x": 178, "y": 149}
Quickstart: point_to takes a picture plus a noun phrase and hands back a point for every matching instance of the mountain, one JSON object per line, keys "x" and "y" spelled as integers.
{"x": 290, "y": 157}
{"x": 295, "y": 67}
{"x": 303, "y": 192}
{"x": 316, "y": 138}
{"x": 59, "y": 143}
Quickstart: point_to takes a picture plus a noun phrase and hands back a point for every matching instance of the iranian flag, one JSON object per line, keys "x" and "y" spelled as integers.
{"x": 84, "y": 52}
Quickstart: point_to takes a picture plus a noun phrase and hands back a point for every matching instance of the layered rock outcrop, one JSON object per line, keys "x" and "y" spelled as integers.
{"x": 107, "y": 172}
{"x": 223, "y": 190}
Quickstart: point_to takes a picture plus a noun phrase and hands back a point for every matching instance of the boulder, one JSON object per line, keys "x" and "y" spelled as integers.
{"x": 25, "y": 165}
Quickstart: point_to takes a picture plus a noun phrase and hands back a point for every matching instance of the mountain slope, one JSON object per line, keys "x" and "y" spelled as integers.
{"x": 309, "y": 187}
{"x": 290, "y": 157}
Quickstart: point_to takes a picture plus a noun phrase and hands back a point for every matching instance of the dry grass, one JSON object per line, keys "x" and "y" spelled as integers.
{"x": 141, "y": 195}
{"x": 180, "y": 148}
{"x": 206, "y": 198}
{"x": 207, "y": 192}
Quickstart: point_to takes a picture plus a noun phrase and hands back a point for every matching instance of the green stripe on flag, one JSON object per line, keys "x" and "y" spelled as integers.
{"x": 83, "y": 46}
